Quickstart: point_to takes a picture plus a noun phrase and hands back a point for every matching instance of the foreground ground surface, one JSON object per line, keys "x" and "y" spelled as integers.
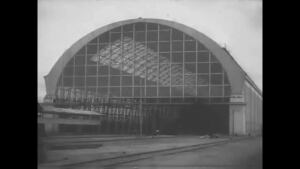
{"x": 244, "y": 154}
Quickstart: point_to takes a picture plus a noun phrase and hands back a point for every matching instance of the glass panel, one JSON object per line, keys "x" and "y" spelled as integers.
{"x": 139, "y": 81}
{"x": 91, "y": 81}
{"x": 152, "y": 36}
{"x": 164, "y": 46}
{"x": 79, "y": 71}
{"x": 103, "y": 91}
{"x": 128, "y": 27}
{"x": 203, "y": 67}
{"x": 152, "y": 46}
{"x": 140, "y": 36}
{"x": 213, "y": 59}
{"x": 187, "y": 37}
{"x": 103, "y": 70}
{"x": 92, "y": 49}
{"x": 140, "y": 26}
{"x": 81, "y": 51}
{"x": 91, "y": 70}
{"x": 203, "y": 56}
{"x": 114, "y": 91}
{"x": 227, "y": 91}
{"x": 117, "y": 29}
{"x": 189, "y": 68}
{"x": 79, "y": 81}
{"x": 115, "y": 81}
{"x": 126, "y": 91}
{"x": 176, "y": 80}
{"x": 79, "y": 60}
{"x": 226, "y": 81}
{"x": 164, "y": 91}
{"x": 190, "y": 79}
{"x": 164, "y": 35}
{"x": 103, "y": 81}
{"x": 139, "y": 91}
{"x": 200, "y": 46}
{"x": 151, "y": 91}
{"x": 177, "y": 91}
{"x": 216, "y": 68}
{"x": 114, "y": 71}
{"x": 176, "y": 69}
{"x": 163, "y": 27}
{"x": 71, "y": 62}
{"x": 190, "y": 45}
{"x": 177, "y": 35}
{"x": 177, "y": 46}
{"x": 216, "y": 91}
{"x": 189, "y": 90}
{"x": 152, "y": 26}
{"x": 177, "y": 57}
{"x": 203, "y": 79}
{"x": 68, "y": 81}
{"x": 90, "y": 60}
{"x": 203, "y": 91}
{"x": 126, "y": 80}
{"x": 115, "y": 36}
{"x": 216, "y": 79}
{"x": 68, "y": 71}
{"x": 190, "y": 56}
{"x": 104, "y": 38}
{"x": 164, "y": 57}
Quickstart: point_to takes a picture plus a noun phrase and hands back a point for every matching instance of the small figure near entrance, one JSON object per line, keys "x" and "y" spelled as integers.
{"x": 156, "y": 133}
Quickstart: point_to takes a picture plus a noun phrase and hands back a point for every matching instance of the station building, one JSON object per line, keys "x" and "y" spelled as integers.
{"x": 149, "y": 74}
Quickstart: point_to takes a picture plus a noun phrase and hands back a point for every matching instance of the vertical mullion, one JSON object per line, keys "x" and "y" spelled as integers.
{"x": 183, "y": 65}
{"x": 196, "y": 68}
{"x": 171, "y": 55}
{"x": 109, "y": 65}
{"x": 85, "y": 69}
{"x": 97, "y": 67}
{"x": 209, "y": 77}
{"x": 158, "y": 57}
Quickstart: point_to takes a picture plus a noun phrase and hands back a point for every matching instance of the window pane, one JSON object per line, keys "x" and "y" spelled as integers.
{"x": 103, "y": 81}
{"x": 164, "y": 57}
{"x": 203, "y": 57}
{"x": 177, "y": 80}
{"x": 139, "y": 91}
{"x": 68, "y": 81}
{"x": 213, "y": 59}
{"x": 90, "y": 60}
{"x": 163, "y": 27}
{"x": 115, "y": 36}
{"x": 79, "y": 71}
{"x": 189, "y": 90}
{"x": 79, "y": 81}
{"x": 103, "y": 70}
{"x": 114, "y": 91}
{"x": 140, "y": 26}
{"x": 114, "y": 71}
{"x": 152, "y": 36}
{"x": 190, "y": 45}
{"x": 115, "y": 81}
{"x": 177, "y": 46}
{"x": 91, "y": 81}
{"x": 164, "y": 46}
{"x": 151, "y": 91}
{"x": 177, "y": 91}
{"x": 177, "y": 35}
{"x": 68, "y": 71}
{"x": 177, "y": 57}
{"x": 200, "y": 46}
{"x": 190, "y": 68}
{"x": 103, "y": 91}
{"x": 92, "y": 49}
{"x": 81, "y": 51}
{"x": 104, "y": 38}
{"x": 128, "y": 27}
{"x": 227, "y": 91}
{"x": 152, "y": 46}
{"x": 226, "y": 81}
{"x": 216, "y": 79}
{"x": 139, "y": 81}
{"x": 203, "y": 91}
{"x": 79, "y": 60}
{"x": 126, "y": 91}
{"x": 190, "y": 56}
{"x": 71, "y": 62}
{"x": 164, "y": 91}
{"x": 152, "y": 26}
{"x": 117, "y": 29}
{"x": 216, "y": 91}
{"x": 216, "y": 68}
{"x": 91, "y": 70}
{"x": 164, "y": 35}
{"x": 190, "y": 79}
{"x": 126, "y": 80}
{"x": 203, "y": 79}
{"x": 203, "y": 67}
{"x": 140, "y": 36}
{"x": 177, "y": 69}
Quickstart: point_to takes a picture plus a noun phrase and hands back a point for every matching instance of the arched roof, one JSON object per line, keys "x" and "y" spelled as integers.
{"x": 235, "y": 74}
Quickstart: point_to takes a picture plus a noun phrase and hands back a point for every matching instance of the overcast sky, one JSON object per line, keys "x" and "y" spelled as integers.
{"x": 236, "y": 23}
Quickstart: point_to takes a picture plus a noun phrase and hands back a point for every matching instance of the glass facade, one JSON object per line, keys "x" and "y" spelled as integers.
{"x": 144, "y": 60}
